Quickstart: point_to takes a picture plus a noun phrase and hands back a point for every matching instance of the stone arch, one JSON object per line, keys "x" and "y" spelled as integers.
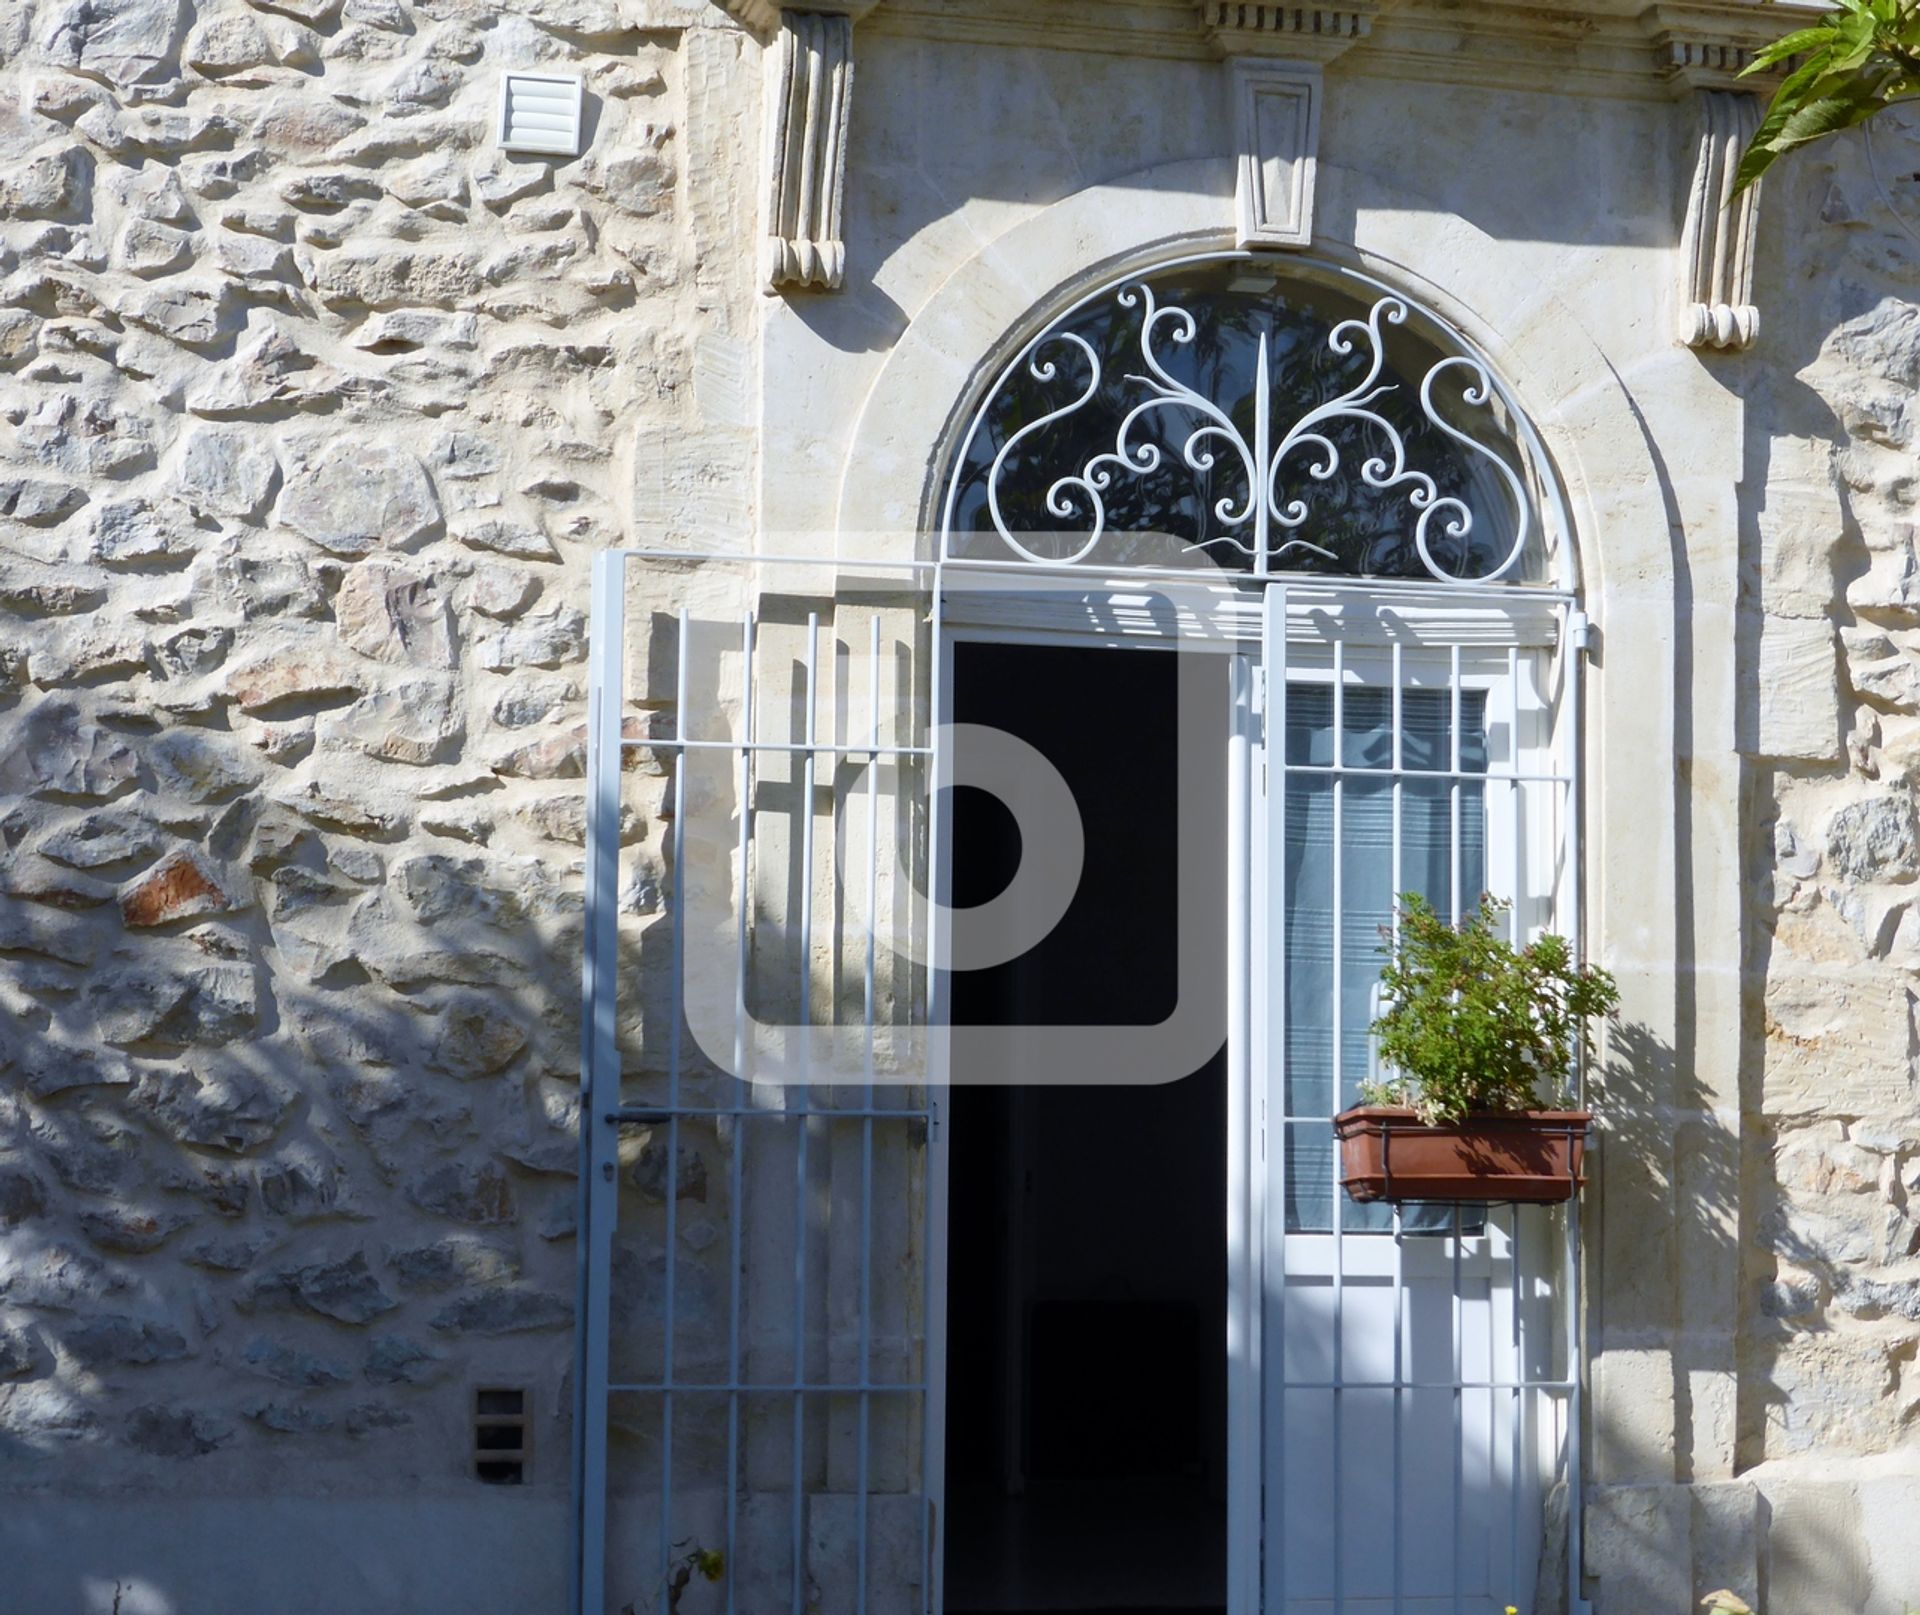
{"x": 996, "y": 299}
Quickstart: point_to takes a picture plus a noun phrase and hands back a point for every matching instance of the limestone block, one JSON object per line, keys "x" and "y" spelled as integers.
{"x": 227, "y": 471}
{"x": 39, "y": 502}
{"x": 469, "y": 1192}
{"x": 1890, "y": 587}
{"x": 227, "y": 1108}
{"x": 55, "y": 750}
{"x": 88, "y": 436}
{"x": 288, "y": 1366}
{"x": 193, "y": 316}
{"x": 148, "y": 249}
{"x": 1798, "y": 683}
{"x": 125, "y": 42}
{"x": 445, "y": 1264}
{"x": 52, "y": 186}
{"x": 1875, "y": 839}
{"x": 546, "y": 639}
{"x": 1800, "y": 535}
{"x": 534, "y": 699}
{"x": 1837, "y": 1393}
{"x": 1639, "y": 1547}
{"x": 226, "y": 44}
{"x": 395, "y": 615}
{"x": 359, "y": 496}
{"x": 130, "y": 1231}
{"x": 396, "y": 1360}
{"x": 341, "y": 1288}
{"x": 501, "y": 592}
{"x": 477, "y": 1038}
{"x": 265, "y": 683}
{"x": 132, "y": 531}
{"x": 508, "y": 538}
{"x": 503, "y": 1310}
{"x": 414, "y": 721}
{"x": 176, "y": 1432}
{"x": 116, "y": 1341}
{"x": 1838, "y": 1042}
{"x": 1634, "y": 1416}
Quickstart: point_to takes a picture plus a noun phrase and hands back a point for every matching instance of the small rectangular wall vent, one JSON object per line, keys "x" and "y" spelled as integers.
{"x": 502, "y": 1446}
{"x": 540, "y": 112}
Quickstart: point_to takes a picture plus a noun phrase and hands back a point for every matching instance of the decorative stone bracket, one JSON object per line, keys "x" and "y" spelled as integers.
{"x": 808, "y": 94}
{"x": 1716, "y": 308}
{"x": 1702, "y": 49}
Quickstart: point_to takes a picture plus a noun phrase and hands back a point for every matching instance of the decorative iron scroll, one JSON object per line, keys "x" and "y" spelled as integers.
{"x": 1378, "y": 474}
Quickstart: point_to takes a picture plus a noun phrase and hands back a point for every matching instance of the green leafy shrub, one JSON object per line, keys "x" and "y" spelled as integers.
{"x": 1476, "y": 1024}
{"x": 1863, "y": 58}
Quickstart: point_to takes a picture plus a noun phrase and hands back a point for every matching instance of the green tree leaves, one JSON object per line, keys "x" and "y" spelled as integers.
{"x": 1862, "y": 59}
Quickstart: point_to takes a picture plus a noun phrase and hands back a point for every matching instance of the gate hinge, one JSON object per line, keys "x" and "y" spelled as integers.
{"x": 933, "y": 1119}
{"x": 1579, "y": 626}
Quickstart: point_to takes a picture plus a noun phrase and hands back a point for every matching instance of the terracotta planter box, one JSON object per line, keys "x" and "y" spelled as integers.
{"x": 1535, "y": 1156}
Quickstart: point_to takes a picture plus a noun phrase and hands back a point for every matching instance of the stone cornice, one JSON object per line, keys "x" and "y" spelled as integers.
{"x": 1621, "y": 50}
{"x": 1702, "y": 45}
{"x": 763, "y": 16}
{"x": 1315, "y": 34}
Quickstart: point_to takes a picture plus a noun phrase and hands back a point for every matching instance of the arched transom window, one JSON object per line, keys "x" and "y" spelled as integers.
{"x": 1274, "y": 420}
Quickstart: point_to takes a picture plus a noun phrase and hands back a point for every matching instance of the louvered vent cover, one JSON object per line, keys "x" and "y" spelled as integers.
{"x": 540, "y": 113}
{"x": 501, "y": 1439}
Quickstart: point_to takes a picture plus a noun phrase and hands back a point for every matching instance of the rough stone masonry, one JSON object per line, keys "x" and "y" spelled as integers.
{"x": 312, "y": 406}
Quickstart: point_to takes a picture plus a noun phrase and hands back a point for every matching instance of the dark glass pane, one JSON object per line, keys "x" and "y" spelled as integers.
{"x": 1178, "y": 405}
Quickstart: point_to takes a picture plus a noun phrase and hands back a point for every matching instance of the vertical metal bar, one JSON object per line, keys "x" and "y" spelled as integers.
{"x": 804, "y": 1094}
{"x": 866, "y": 1121}
{"x": 1574, "y": 638}
{"x": 677, "y": 1014}
{"x": 600, "y": 1081}
{"x": 1399, "y": 1376}
{"x": 933, "y": 1305}
{"x": 1337, "y": 1095}
{"x": 1243, "y": 1426}
{"x": 1516, "y": 929}
{"x": 1270, "y": 1186}
{"x": 740, "y": 1121}
{"x": 1262, "y": 433}
{"x": 1459, "y": 1375}
{"x": 1457, "y": 898}
{"x": 1517, "y": 1412}
{"x": 1396, "y": 729}
{"x": 1516, "y": 796}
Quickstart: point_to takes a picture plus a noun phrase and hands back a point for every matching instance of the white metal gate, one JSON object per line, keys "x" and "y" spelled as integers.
{"x": 1420, "y": 1392}
{"x": 758, "y": 1293}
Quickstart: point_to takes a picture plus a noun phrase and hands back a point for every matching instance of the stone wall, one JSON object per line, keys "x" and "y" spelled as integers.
{"x": 313, "y": 407}
{"x": 1829, "y": 1363}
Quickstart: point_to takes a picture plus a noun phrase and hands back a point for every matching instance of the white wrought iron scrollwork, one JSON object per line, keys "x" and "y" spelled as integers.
{"x": 1266, "y": 524}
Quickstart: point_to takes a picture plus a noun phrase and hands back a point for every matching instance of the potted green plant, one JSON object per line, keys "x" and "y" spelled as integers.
{"x": 1478, "y": 1043}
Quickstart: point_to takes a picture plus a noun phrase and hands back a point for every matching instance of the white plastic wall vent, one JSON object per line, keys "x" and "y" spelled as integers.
{"x": 540, "y": 112}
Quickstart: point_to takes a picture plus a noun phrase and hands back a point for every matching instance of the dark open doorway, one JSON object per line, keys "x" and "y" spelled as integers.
{"x": 1087, "y": 1265}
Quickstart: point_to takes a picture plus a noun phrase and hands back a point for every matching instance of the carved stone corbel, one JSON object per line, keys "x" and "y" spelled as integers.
{"x": 809, "y": 89}
{"x": 1716, "y": 307}
{"x": 1702, "y": 47}
{"x": 808, "y": 95}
